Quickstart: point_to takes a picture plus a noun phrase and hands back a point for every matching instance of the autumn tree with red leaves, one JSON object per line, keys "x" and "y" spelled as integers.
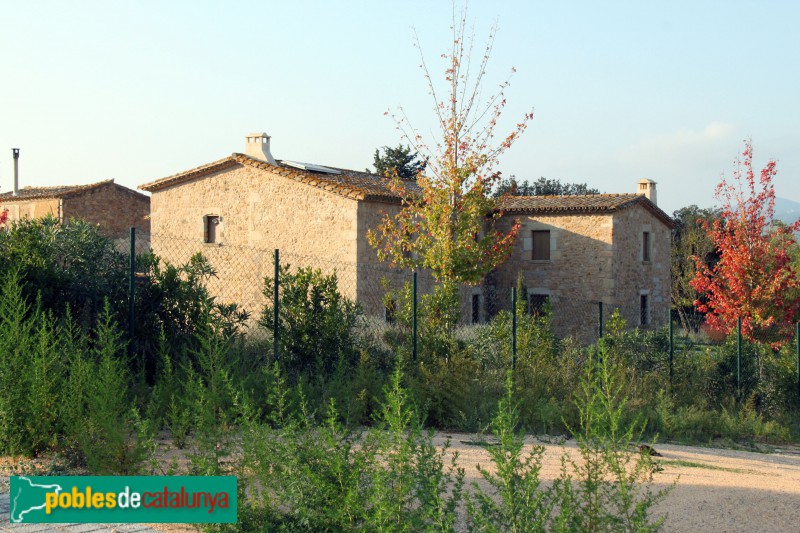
{"x": 446, "y": 221}
{"x": 754, "y": 279}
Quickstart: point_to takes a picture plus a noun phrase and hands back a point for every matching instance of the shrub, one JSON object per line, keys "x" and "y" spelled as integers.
{"x": 316, "y": 323}
{"x": 517, "y": 501}
{"x": 212, "y": 396}
{"x": 66, "y": 266}
{"x": 612, "y": 488}
{"x": 174, "y": 299}
{"x": 99, "y": 413}
{"x": 30, "y": 372}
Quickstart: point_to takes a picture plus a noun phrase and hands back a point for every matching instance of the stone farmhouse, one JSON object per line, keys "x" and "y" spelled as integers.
{"x": 572, "y": 252}
{"x": 577, "y": 251}
{"x": 113, "y": 207}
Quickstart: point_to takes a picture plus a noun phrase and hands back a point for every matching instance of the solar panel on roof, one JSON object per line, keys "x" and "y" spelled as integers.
{"x": 311, "y": 167}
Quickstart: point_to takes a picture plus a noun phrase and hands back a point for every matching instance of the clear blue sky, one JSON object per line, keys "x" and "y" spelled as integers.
{"x": 136, "y": 91}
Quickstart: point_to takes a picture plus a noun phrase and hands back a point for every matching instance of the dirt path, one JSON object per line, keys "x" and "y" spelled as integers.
{"x": 718, "y": 490}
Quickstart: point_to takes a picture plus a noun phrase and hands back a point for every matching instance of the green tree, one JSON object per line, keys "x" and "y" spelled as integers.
{"x": 689, "y": 240}
{"x": 541, "y": 187}
{"x": 398, "y": 162}
{"x": 446, "y": 223}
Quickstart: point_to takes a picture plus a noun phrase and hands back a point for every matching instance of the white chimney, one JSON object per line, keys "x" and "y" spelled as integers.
{"x": 257, "y": 145}
{"x": 647, "y": 188}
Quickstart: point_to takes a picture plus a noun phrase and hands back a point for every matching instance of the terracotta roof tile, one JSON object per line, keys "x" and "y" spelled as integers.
{"x": 350, "y": 183}
{"x": 58, "y": 191}
{"x": 586, "y": 203}
{"x": 365, "y": 186}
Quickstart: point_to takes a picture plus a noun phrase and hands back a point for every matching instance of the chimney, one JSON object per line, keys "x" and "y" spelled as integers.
{"x": 647, "y": 188}
{"x": 15, "y": 151}
{"x": 257, "y": 145}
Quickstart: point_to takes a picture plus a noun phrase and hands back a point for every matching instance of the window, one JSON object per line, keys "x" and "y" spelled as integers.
{"x": 210, "y": 223}
{"x": 541, "y": 245}
{"x": 537, "y": 303}
{"x": 390, "y": 312}
{"x": 646, "y": 246}
{"x": 476, "y": 308}
{"x": 644, "y": 310}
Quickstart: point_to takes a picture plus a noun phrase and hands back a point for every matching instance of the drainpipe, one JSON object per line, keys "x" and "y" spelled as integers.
{"x": 15, "y": 151}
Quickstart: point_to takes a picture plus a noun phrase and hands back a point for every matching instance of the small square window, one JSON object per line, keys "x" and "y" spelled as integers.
{"x": 537, "y": 303}
{"x": 646, "y": 246}
{"x": 210, "y": 227}
{"x": 541, "y": 245}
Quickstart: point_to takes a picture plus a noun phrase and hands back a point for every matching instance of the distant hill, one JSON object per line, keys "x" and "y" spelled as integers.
{"x": 787, "y": 210}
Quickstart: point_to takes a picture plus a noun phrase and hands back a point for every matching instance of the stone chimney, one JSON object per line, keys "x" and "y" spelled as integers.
{"x": 257, "y": 145}
{"x": 647, "y": 188}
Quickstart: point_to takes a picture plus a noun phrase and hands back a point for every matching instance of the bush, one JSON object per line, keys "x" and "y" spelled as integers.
{"x": 66, "y": 266}
{"x": 98, "y": 409}
{"x": 612, "y": 486}
{"x": 517, "y": 501}
{"x": 173, "y": 300}
{"x": 316, "y": 323}
{"x": 31, "y": 372}
{"x": 328, "y": 478}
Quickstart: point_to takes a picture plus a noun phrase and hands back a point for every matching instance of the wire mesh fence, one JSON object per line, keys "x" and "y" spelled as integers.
{"x": 394, "y": 304}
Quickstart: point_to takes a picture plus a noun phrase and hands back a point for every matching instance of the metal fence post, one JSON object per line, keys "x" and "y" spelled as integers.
{"x": 131, "y": 293}
{"x": 513, "y": 328}
{"x": 275, "y": 331}
{"x": 414, "y": 318}
{"x": 671, "y": 346}
{"x": 739, "y": 359}
{"x": 600, "y": 320}
{"x": 797, "y": 349}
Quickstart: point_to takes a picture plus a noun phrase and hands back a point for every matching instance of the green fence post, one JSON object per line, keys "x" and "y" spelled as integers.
{"x": 414, "y": 318}
{"x": 797, "y": 349}
{"x": 275, "y": 331}
{"x": 671, "y": 346}
{"x": 131, "y": 293}
{"x": 599, "y": 320}
{"x": 739, "y": 359}
{"x": 513, "y": 329}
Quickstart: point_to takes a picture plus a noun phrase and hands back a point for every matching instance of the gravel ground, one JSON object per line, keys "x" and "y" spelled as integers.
{"x": 717, "y": 491}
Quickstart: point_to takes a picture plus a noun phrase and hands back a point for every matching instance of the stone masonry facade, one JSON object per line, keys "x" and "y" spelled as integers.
{"x": 321, "y": 219}
{"x": 114, "y": 208}
{"x": 594, "y": 257}
{"x": 259, "y": 211}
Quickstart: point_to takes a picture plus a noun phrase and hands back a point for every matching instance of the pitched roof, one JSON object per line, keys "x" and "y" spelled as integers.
{"x": 350, "y": 183}
{"x": 365, "y": 186}
{"x": 57, "y": 191}
{"x": 584, "y": 203}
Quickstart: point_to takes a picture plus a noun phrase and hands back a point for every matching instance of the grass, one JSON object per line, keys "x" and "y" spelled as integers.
{"x": 693, "y": 464}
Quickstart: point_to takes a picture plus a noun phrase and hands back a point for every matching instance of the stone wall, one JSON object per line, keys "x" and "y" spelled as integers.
{"x": 17, "y": 210}
{"x": 632, "y": 274}
{"x": 578, "y": 274}
{"x": 114, "y": 208}
{"x": 376, "y": 278}
{"x": 259, "y": 212}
